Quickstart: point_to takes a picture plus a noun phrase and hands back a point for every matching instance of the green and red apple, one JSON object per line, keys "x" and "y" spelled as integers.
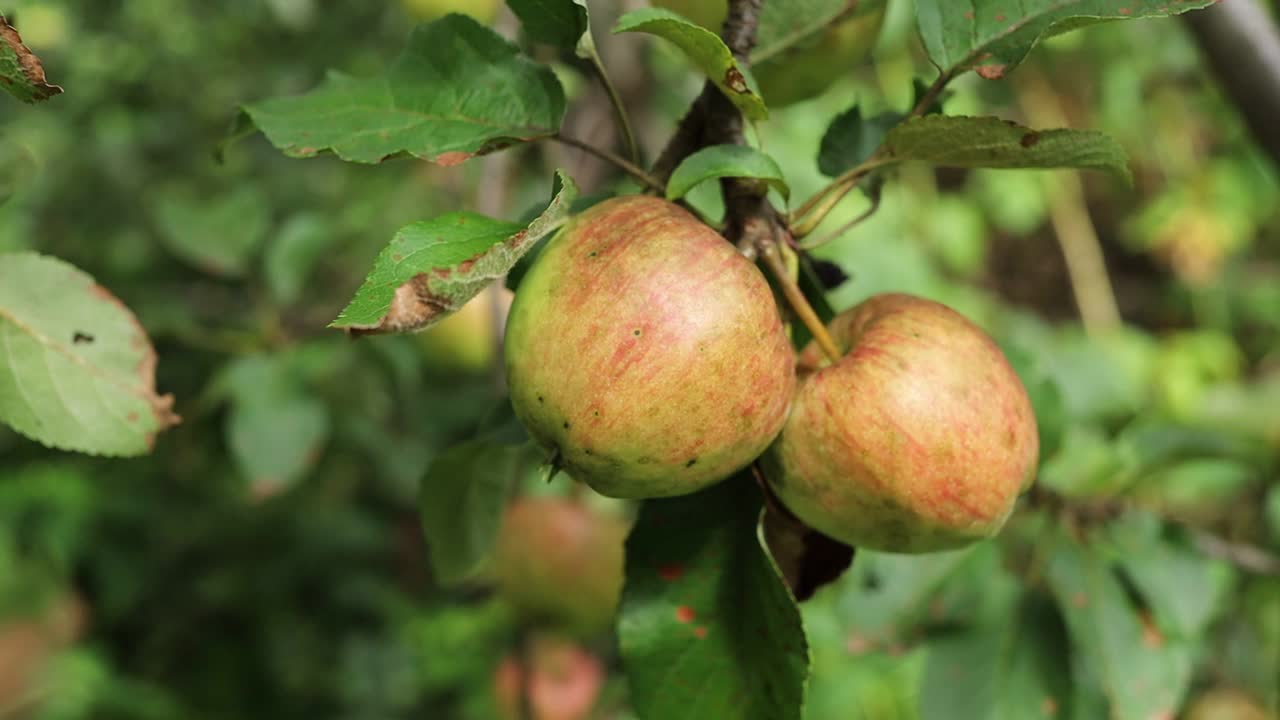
{"x": 647, "y": 352}
{"x": 920, "y": 438}
{"x": 555, "y": 679}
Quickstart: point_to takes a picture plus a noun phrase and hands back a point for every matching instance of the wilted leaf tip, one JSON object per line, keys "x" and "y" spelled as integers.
{"x": 28, "y": 64}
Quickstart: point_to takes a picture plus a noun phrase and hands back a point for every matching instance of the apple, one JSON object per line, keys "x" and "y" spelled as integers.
{"x": 482, "y": 10}
{"x": 464, "y": 343}
{"x": 560, "y": 560}
{"x": 919, "y": 439}
{"x": 803, "y": 70}
{"x": 561, "y": 679}
{"x": 646, "y": 352}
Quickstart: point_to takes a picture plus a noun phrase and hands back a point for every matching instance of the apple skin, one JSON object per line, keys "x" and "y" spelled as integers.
{"x": 1225, "y": 704}
{"x": 559, "y": 560}
{"x": 482, "y": 10}
{"x": 919, "y": 439}
{"x": 647, "y": 352}
{"x": 804, "y": 70}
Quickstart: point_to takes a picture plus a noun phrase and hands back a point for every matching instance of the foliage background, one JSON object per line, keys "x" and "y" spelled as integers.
{"x": 268, "y": 561}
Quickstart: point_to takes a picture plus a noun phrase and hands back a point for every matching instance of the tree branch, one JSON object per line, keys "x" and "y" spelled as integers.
{"x": 1242, "y": 44}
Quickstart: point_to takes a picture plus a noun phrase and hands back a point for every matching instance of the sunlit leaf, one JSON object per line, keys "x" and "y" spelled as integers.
{"x": 726, "y": 161}
{"x": 77, "y": 371}
{"x": 705, "y": 49}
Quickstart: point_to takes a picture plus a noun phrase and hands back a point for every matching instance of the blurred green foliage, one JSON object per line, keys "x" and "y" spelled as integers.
{"x": 267, "y": 560}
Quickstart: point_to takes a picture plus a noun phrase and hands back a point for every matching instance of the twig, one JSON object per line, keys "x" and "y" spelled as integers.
{"x": 1069, "y": 215}
{"x": 1243, "y": 46}
{"x": 1246, "y": 557}
{"x": 875, "y": 205}
{"x": 932, "y": 94}
{"x": 619, "y": 109}
{"x": 795, "y": 298}
{"x": 622, "y": 163}
{"x": 806, "y": 218}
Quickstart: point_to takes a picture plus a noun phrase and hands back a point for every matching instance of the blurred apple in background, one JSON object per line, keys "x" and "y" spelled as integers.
{"x": 806, "y": 69}
{"x": 482, "y": 10}
{"x": 464, "y": 343}
{"x": 562, "y": 680}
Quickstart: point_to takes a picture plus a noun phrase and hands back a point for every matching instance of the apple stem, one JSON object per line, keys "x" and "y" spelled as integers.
{"x": 834, "y": 234}
{"x": 622, "y": 163}
{"x": 620, "y": 110}
{"x": 806, "y": 218}
{"x": 796, "y": 299}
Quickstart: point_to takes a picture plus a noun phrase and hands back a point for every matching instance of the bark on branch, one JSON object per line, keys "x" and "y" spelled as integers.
{"x": 1242, "y": 44}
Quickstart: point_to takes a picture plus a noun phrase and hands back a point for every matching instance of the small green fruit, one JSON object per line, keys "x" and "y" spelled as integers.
{"x": 560, "y": 560}
{"x": 647, "y": 352}
{"x": 919, "y": 439}
{"x": 463, "y": 343}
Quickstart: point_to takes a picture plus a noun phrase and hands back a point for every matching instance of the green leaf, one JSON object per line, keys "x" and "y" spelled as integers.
{"x": 17, "y": 169}
{"x": 77, "y": 371}
{"x": 786, "y": 24}
{"x": 20, "y": 70}
{"x": 988, "y": 142}
{"x": 1273, "y": 512}
{"x": 426, "y": 105}
{"x": 1016, "y": 668}
{"x": 994, "y": 36}
{"x": 724, "y": 161}
{"x": 707, "y": 628}
{"x": 293, "y": 253}
{"x": 563, "y": 23}
{"x": 276, "y": 430}
{"x": 1162, "y": 569}
{"x": 1143, "y": 673}
{"x": 852, "y": 139}
{"x": 461, "y": 502}
{"x": 432, "y": 268}
{"x": 219, "y": 235}
{"x": 707, "y": 51}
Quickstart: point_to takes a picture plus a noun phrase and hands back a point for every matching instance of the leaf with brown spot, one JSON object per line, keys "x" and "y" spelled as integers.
{"x": 994, "y": 36}
{"x": 432, "y": 268}
{"x": 989, "y": 142}
{"x": 20, "y": 70}
{"x": 706, "y": 50}
{"x": 707, "y": 628}
{"x": 426, "y": 105}
{"x": 94, "y": 397}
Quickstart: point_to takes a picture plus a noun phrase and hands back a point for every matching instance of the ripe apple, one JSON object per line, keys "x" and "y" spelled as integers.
{"x": 647, "y": 352}
{"x": 463, "y": 343}
{"x": 562, "y": 680}
{"x": 482, "y": 10}
{"x": 805, "y": 69}
{"x": 560, "y": 560}
{"x": 919, "y": 439}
